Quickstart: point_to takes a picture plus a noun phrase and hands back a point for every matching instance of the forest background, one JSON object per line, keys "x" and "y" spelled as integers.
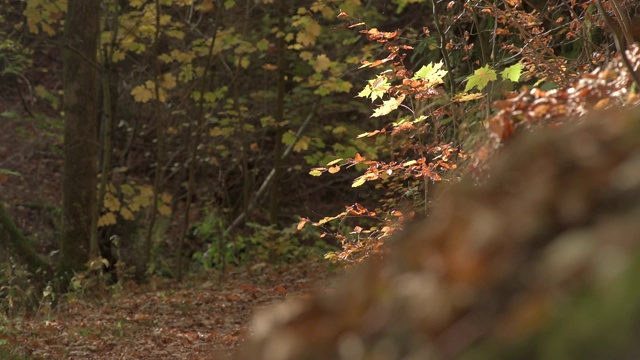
{"x": 199, "y": 135}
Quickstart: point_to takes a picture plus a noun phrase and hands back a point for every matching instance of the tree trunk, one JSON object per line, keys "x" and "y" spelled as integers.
{"x": 80, "y": 134}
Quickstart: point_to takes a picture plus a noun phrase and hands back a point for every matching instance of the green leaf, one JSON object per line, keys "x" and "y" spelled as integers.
{"x": 388, "y": 106}
{"x": 288, "y": 138}
{"x": 9, "y": 172}
{"x": 376, "y": 88}
{"x": 333, "y": 162}
{"x": 315, "y": 172}
{"x": 263, "y": 44}
{"x": 9, "y": 114}
{"x": 512, "y": 73}
{"x": 359, "y": 181}
{"x": 432, "y": 73}
{"x": 481, "y": 78}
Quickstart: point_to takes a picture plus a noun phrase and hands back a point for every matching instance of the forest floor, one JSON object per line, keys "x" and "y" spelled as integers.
{"x": 205, "y": 317}
{"x": 200, "y": 319}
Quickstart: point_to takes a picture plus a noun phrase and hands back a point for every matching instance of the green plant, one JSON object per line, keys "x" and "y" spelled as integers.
{"x": 258, "y": 244}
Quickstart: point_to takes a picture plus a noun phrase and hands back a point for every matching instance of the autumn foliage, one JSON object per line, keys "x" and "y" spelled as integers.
{"x": 528, "y": 73}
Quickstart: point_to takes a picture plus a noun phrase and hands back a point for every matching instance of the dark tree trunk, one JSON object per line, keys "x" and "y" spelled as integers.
{"x": 80, "y": 134}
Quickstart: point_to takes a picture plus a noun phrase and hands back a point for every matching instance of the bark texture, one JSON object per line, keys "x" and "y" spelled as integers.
{"x": 80, "y": 134}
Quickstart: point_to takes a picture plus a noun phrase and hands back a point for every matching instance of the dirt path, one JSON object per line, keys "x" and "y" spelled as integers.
{"x": 201, "y": 320}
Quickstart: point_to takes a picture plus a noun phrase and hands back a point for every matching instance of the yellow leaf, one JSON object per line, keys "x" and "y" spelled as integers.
{"x": 333, "y": 162}
{"x": 302, "y": 144}
{"x": 305, "y": 39}
{"x": 136, "y": 3}
{"x": 141, "y": 94}
{"x": 162, "y": 95}
{"x": 358, "y": 181}
{"x": 164, "y": 210}
{"x": 146, "y": 190}
{"x": 127, "y": 189}
{"x": 139, "y": 202}
{"x": 134, "y": 205}
{"x": 306, "y": 55}
{"x": 111, "y": 202}
{"x": 117, "y": 55}
{"x": 388, "y": 106}
{"x": 467, "y": 97}
{"x": 107, "y": 219}
{"x": 168, "y": 81}
{"x": 322, "y": 63}
{"x": 314, "y": 28}
{"x": 205, "y": 7}
{"x": 166, "y": 198}
{"x": 165, "y": 19}
{"x": 127, "y": 214}
{"x": 315, "y": 172}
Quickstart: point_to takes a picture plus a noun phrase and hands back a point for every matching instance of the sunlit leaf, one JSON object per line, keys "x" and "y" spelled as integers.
{"x": 333, "y": 162}
{"x": 512, "y": 73}
{"x": 302, "y": 223}
{"x": 481, "y": 78}
{"x": 388, "y": 106}
{"x": 359, "y": 181}
{"x": 432, "y": 73}
{"x": 467, "y": 97}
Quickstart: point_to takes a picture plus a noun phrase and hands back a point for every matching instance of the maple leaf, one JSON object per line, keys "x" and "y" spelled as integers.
{"x": 322, "y": 63}
{"x": 432, "y": 73}
{"x": 107, "y": 219}
{"x": 126, "y": 214}
{"x": 111, "y": 203}
{"x": 127, "y": 189}
{"x": 302, "y": 144}
{"x": 288, "y": 138}
{"x": 481, "y": 78}
{"x": 375, "y": 89}
{"x": 141, "y": 94}
{"x": 136, "y": 3}
{"x": 164, "y": 210}
{"x": 388, "y": 106}
{"x": 166, "y": 197}
{"x": 512, "y": 73}
{"x": 168, "y": 81}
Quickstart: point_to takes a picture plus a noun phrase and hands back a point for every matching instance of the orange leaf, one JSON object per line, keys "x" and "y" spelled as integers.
{"x": 280, "y": 290}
